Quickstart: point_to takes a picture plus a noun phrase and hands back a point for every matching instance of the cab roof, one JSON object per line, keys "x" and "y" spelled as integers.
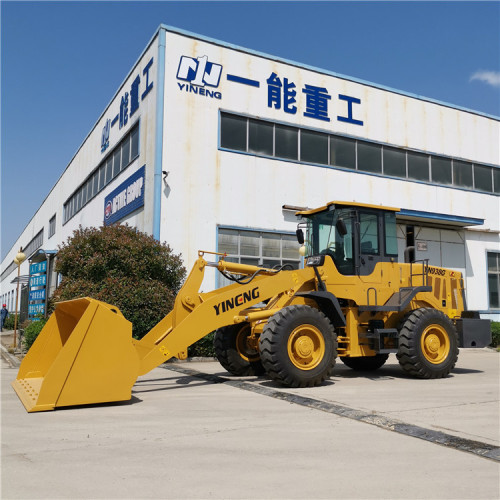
{"x": 346, "y": 204}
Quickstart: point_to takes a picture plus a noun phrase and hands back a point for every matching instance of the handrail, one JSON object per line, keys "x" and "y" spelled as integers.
{"x": 425, "y": 272}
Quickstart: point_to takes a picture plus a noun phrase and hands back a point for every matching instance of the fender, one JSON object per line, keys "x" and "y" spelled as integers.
{"x": 328, "y": 304}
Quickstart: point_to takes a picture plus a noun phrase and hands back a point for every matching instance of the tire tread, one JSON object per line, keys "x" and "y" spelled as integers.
{"x": 271, "y": 341}
{"x": 409, "y": 354}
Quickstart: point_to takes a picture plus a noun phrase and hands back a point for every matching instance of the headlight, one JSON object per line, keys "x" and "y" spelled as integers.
{"x": 315, "y": 260}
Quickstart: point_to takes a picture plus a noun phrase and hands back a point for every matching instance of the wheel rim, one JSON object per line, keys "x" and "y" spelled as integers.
{"x": 244, "y": 350}
{"x": 435, "y": 344}
{"x": 306, "y": 347}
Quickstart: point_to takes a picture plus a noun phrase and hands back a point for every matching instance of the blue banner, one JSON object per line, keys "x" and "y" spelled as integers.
{"x": 40, "y": 280}
{"x": 37, "y": 295}
{"x": 34, "y": 309}
{"x": 38, "y": 268}
{"x": 126, "y": 198}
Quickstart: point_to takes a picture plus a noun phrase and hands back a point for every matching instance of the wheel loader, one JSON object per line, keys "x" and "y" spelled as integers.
{"x": 351, "y": 300}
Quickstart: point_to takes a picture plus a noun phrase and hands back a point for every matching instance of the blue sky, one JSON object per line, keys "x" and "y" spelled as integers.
{"x": 62, "y": 62}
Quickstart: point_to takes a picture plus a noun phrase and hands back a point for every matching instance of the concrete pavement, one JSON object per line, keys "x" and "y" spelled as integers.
{"x": 192, "y": 432}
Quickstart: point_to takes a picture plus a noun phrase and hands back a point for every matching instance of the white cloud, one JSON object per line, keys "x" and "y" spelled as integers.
{"x": 490, "y": 77}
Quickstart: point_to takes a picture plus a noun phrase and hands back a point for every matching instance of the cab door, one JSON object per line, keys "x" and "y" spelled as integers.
{"x": 369, "y": 242}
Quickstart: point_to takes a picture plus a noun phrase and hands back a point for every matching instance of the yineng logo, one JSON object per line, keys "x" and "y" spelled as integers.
{"x": 238, "y": 300}
{"x": 199, "y": 73}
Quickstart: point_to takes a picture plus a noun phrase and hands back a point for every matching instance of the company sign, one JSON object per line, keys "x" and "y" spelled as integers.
{"x": 129, "y": 103}
{"x": 126, "y": 198}
{"x": 201, "y": 77}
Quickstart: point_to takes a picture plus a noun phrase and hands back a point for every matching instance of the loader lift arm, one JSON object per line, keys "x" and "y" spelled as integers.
{"x": 197, "y": 314}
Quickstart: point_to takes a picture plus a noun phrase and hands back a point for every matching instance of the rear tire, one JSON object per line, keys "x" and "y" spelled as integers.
{"x": 428, "y": 344}
{"x": 298, "y": 347}
{"x": 234, "y": 353}
{"x": 365, "y": 363}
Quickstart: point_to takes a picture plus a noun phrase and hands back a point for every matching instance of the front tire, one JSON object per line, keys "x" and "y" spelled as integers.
{"x": 428, "y": 344}
{"x": 234, "y": 353}
{"x": 298, "y": 347}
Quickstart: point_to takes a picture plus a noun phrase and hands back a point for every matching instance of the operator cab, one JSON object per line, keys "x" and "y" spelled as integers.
{"x": 355, "y": 236}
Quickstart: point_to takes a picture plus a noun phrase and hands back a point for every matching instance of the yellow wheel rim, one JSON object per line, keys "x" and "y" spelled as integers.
{"x": 306, "y": 347}
{"x": 435, "y": 344}
{"x": 242, "y": 346}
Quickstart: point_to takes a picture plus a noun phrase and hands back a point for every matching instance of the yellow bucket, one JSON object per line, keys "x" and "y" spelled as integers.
{"x": 83, "y": 355}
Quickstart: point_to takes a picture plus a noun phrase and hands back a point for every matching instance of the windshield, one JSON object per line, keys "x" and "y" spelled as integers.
{"x": 324, "y": 238}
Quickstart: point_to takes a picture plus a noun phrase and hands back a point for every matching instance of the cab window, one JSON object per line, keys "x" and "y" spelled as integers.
{"x": 391, "y": 239}
{"x": 368, "y": 226}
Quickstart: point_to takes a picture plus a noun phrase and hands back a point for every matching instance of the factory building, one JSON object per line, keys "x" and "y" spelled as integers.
{"x": 209, "y": 146}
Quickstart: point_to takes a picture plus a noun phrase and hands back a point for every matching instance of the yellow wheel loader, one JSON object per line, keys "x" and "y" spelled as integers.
{"x": 352, "y": 300}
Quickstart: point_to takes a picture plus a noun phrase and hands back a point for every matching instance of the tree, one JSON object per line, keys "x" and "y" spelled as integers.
{"x": 124, "y": 267}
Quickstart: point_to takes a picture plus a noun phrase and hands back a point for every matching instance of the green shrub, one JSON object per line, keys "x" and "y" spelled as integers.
{"x": 32, "y": 330}
{"x": 124, "y": 267}
{"x": 495, "y": 333}
{"x": 203, "y": 348}
{"x": 9, "y": 322}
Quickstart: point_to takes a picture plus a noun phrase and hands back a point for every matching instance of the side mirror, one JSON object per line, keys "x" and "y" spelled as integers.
{"x": 300, "y": 236}
{"x": 341, "y": 227}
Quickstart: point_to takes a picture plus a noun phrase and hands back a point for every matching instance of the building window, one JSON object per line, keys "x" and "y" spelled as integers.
{"x": 313, "y": 147}
{"x": 342, "y": 152}
{"x": 258, "y": 248}
{"x": 273, "y": 140}
{"x": 118, "y": 160}
{"x": 494, "y": 279}
{"x": 394, "y": 162}
{"x": 125, "y": 149}
{"x": 462, "y": 174}
{"x": 134, "y": 143}
{"x": 483, "y": 180}
{"x": 369, "y": 157}
{"x": 286, "y": 142}
{"x": 496, "y": 180}
{"x": 52, "y": 226}
{"x": 234, "y": 132}
{"x": 441, "y": 170}
{"x": 9, "y": 269}
{"x": 260, "y": 137}
{"x": 418, "y": 166}
{"x": 34, "y": 244}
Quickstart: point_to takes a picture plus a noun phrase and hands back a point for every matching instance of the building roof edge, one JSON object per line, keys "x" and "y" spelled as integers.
{"x": 221, "y": 43}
